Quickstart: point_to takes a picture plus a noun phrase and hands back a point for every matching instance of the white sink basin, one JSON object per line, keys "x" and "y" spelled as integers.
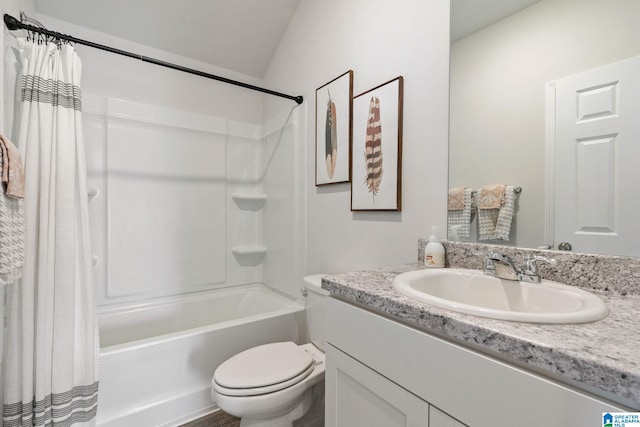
{"x": 473, "y": 292}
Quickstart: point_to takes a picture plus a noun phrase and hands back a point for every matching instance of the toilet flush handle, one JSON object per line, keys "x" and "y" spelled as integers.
{"x": 303, "y": 291}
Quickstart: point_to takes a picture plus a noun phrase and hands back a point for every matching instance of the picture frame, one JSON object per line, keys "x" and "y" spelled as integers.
{"x": 334, "y": 108}
{"x": 376, "y": 164}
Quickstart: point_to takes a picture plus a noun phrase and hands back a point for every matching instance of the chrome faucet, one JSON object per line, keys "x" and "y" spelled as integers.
{"x": 502, "y": 266}
{"x": 530, "y": 268}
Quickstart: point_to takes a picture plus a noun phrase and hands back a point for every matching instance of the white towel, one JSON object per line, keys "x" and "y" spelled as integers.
{"x": 11, "y": 235}
{"x": 495, "y": 224}
{"x": 459, "y": 221}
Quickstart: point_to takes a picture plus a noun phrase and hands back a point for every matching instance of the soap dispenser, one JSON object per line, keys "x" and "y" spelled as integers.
{"x": 434, "y": 251}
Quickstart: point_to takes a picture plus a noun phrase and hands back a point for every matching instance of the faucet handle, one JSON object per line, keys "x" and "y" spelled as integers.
{"x": 480, "y": 253}
{"x": 497, "y": 256}
{"x": 531, "y": 268}
{"x": 489, "y": 268}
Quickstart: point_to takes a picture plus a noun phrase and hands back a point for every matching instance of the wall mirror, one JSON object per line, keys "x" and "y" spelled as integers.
{"x": 501, "y": 69}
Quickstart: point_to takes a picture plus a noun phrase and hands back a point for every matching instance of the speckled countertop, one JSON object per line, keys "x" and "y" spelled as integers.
{"x": 603, "y": 357}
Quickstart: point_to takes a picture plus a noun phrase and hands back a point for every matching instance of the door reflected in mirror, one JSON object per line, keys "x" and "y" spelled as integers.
{"x": 502, "y": 97}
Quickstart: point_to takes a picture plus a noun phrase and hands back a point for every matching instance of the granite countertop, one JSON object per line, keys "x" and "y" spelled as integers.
{"x": 602, "y": 357}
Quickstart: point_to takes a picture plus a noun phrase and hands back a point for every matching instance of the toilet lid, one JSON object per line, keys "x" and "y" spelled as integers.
{"x": 263, "y": 366}
{"x": 256, "y": 391}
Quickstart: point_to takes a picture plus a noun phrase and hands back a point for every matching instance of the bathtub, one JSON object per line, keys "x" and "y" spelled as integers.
{"x": 157, "y": 358}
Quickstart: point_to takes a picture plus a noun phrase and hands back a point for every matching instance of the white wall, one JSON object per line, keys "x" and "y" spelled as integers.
{"x": 378, "y": 40}
{"x": 498, "y": 78}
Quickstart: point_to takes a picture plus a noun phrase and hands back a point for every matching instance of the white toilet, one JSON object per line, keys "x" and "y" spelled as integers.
{"x": 270, "y": 385}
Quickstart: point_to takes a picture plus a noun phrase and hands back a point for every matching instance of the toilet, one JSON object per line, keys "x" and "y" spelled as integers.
{"x": 270, "y": 385}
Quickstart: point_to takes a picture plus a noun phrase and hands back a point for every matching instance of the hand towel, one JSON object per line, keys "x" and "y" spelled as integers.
{"x": 459, "y": 214}
{"x": 12, "y": 169}
{"x": 456, "y": 198}
{"x": 495, "y": 223}
{"x": 491, "y": 196}
{"x": 11, "y": 233}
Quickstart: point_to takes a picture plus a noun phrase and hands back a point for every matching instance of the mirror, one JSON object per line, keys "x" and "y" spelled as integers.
{"x": 497, "y": 105}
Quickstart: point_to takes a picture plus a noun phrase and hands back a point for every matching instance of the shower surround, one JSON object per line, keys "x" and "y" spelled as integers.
{"x": 193, "y": 191}
{"x": 178, "y": 206}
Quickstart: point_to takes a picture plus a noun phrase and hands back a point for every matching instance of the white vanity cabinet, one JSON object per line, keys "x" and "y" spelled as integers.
{"x": 382, "y": 373}
{"x": 363, "y": 397}
{"x": 360, "y": 396}
{"x": 438, "y": 418}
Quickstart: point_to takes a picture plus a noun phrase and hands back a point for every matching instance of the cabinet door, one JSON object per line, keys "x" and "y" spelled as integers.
{"x": 359, "y": 396}
{"x": 437, "y": 418}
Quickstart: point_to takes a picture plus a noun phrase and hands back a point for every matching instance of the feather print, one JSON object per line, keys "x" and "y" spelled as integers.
{"x": 331, "y": 138}
{"x": 373, "y": 148}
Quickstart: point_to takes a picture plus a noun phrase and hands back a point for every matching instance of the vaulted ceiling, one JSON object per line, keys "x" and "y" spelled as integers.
{"x": 240, "y": 35}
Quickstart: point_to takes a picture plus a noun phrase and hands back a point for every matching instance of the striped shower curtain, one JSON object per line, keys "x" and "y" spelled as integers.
{"x": 51, "y": 359}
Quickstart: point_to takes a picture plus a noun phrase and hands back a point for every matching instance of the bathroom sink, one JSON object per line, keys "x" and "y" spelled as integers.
{"x": 473, "y": 292}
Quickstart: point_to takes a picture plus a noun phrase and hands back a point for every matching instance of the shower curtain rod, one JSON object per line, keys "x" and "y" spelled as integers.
{"x": 14, "y": 24}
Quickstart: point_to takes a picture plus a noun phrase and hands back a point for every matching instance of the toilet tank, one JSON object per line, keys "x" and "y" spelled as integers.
{"x": 315, "y": 303}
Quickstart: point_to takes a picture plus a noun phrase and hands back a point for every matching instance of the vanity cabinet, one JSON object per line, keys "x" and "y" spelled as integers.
{"x": 362, "y": 397}
{"x": 438, "y": 418}
{"x": 383, "y": 373}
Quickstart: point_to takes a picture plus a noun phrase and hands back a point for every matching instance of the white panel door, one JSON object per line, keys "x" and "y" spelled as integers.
{"x": 597, "y": 147}
{"x": 359, "y": 396}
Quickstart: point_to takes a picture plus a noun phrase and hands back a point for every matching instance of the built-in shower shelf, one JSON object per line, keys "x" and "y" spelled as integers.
{"x": 249, "y": 250}
{"x": 259, "y": 197}
{"x": 249, "y": 201}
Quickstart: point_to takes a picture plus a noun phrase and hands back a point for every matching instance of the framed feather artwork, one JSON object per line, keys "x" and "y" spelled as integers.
{"x": 376, "y": 164}
{"x": 333, "y": 130}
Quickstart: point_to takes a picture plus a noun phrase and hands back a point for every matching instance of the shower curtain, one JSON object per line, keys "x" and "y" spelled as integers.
{"x": 51, "y": 358}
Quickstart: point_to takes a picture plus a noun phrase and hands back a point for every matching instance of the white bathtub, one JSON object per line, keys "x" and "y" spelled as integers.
{"x": 157, "y": 359}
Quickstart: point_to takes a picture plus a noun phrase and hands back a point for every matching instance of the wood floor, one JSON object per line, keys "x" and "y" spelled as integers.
{"x": 313, "y": 418}
{"x": 217, "y": 419}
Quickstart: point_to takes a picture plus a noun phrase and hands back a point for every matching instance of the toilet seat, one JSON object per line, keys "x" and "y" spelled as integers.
{"x": 264, "y": 369}
{"x": 240, "y": 392}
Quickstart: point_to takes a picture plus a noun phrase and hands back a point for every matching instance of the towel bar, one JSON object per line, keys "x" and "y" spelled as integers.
{"x": 516, "y": 190}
